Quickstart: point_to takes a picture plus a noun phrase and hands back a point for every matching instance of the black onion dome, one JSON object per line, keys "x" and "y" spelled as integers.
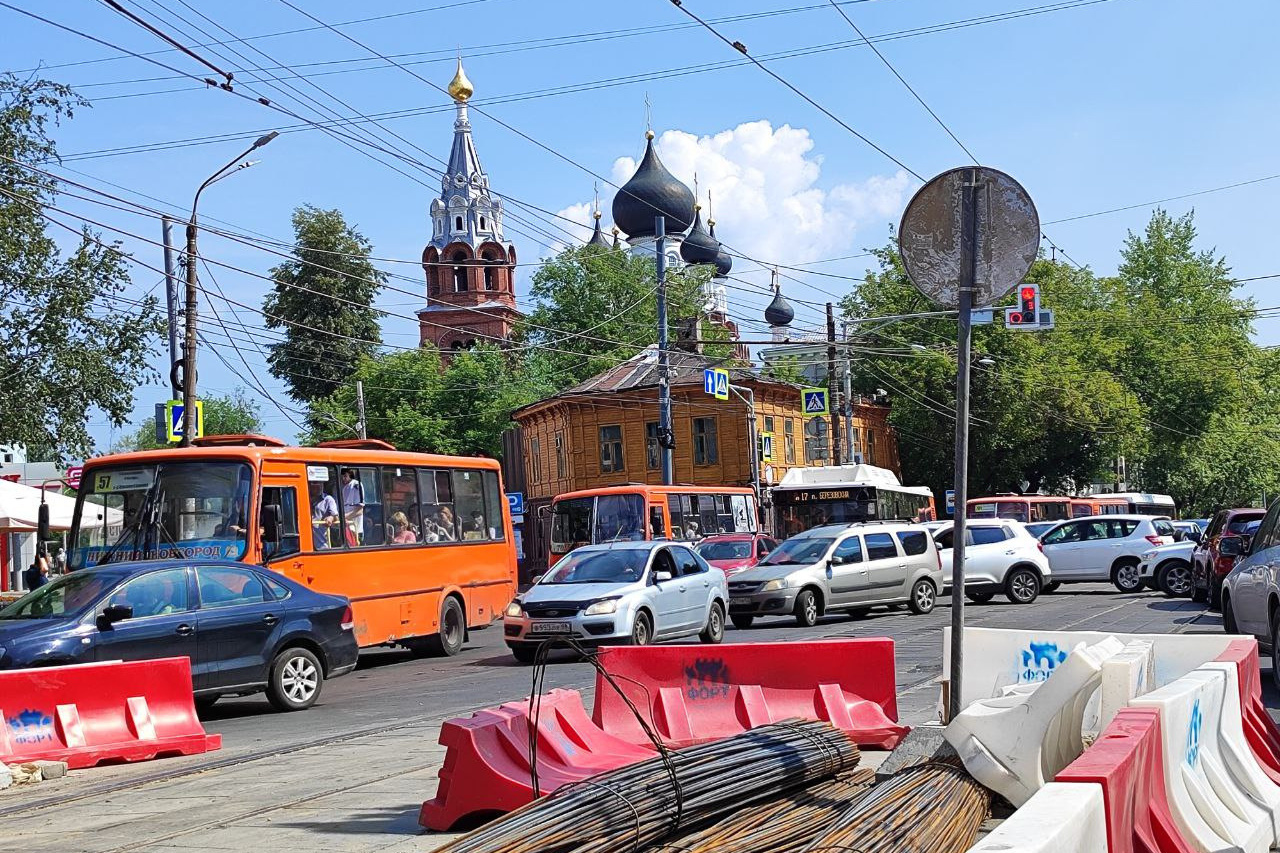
{"x": 724, "y": 262}
{"x": 652, "y": 191}
{"x": 699, "y": 247}
{"x": 597, "y": 239}
{"x": 779, "y": 312}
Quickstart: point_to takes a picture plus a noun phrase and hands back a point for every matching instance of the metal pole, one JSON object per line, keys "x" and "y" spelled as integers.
{"x": 748, "y": 396}
{"x": 968, "y": 277}
{"x": 665, "y": 434}
{"x": 364, "y": 430}
{"x": 171, "y": 298}
{"x": 189, "y": 343}
{"x": 848, "y": 397}
{"x": 832, "y": 384}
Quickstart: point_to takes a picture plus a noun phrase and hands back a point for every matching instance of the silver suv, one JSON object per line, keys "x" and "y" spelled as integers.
{"x": 840, "y": 567}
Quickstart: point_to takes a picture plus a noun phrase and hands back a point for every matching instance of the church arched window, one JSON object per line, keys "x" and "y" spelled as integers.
{"x": 457, "y": 223}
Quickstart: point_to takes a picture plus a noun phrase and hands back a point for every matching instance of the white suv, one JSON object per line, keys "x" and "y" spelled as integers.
{"x": 1000, "y": 555}
{"x": 1105, "y": 548}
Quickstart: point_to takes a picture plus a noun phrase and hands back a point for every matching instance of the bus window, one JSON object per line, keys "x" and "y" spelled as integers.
{"x": 743, "y": 517}
{"x": 400, "y": 506}
{"x": 982, "y": 510}
{"x": 362, "y": 506}
{"x": 724, "y": 517}
{"x": 290, "y": 541}
{"x": 619, "y": 518}
{"x": 435, "y": 492}
{"x": 708, "y": 524}
{"x": 680, "y": 508}
{"x": 468, "y": 497}
{"x": 657, "y": 523}
{"x": 1049, "y": 510}
{"x": 571, "y": 524}
{"x": 326, "y": 510}
{"x": 493, "y": 501}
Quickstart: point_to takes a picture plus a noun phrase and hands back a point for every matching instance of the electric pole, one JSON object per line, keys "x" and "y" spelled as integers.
{"x": 833, "y": 385}
{"x": 666, "y": 436}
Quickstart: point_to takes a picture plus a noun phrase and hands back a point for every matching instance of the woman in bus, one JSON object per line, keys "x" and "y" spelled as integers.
{"x": 404, "y": 534}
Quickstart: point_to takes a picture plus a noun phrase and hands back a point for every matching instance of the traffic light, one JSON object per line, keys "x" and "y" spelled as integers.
{"x": 1027, "y": 311}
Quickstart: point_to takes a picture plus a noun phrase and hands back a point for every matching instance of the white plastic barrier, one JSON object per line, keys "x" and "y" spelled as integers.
{"x": 1063, "y": 817}
{"x": 1211, "y": 811}
{"x": 1125, "y": 676}
{"x": 1014, "y": 744}
{"x": 1234, "y": 749}
{"x": 996, "y": 658}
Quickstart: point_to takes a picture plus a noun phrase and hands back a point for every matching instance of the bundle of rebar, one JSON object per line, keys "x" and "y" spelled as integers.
{"x": 929, "y": 808}
{"x": 786, "y": 825}
{"x": 635, "y": 806}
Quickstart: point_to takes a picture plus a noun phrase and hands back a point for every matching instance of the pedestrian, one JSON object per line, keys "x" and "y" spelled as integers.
{"x": 37, "y": 575}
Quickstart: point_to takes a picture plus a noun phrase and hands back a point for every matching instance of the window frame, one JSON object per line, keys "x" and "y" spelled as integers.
{"x": 706, "y": 446}
{"x": 652, "y": 447}
{"x": 893, "y": 541}
{"x": 608, "y": 463}
{"x": 266, "y": 597}
{"x": 789, "y": 441}
{"x": 193, "y": 595}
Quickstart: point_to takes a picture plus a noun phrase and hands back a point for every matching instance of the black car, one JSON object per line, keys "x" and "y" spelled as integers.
{"x": 245, "y": 629}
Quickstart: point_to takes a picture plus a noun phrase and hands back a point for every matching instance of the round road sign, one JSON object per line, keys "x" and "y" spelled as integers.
{"x": 931, "y": 235}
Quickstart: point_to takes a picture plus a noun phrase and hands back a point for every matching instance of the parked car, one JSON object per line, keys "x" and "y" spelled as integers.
{"x": 999, "y": 556}
{"x": 246, "y": 629}
{"x": 1188, "y": 530}
{"x": 1168, "y": 568}
{"x": 733, "y": 552}
{"x": 849, "y": 567}
{"x": 1104, "y": 548}
{"x": 1208, "y": 565}
{"x": 622, "y": 592}
{"x": 1251, "y": 590}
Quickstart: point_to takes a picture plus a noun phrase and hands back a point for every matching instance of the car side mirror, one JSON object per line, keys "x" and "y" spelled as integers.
{"x": 537, "y": 579}
{"x": 1179, "y": 536}
{"x": 836, "y": 560}
{"x": 269, "y": 520}
{"x": 113, "y": 614}
{"x": 1232, "y": 546}
{"x": 659, "y": 577}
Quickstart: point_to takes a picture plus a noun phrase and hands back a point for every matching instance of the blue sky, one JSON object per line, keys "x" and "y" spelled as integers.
{"x": 1091, "y": 105}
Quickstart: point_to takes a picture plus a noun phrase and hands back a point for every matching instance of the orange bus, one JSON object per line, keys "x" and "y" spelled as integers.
{"x": 637, "y": 512}
{"x": 421, "y": 544}
{"x": 1024, "y": 508}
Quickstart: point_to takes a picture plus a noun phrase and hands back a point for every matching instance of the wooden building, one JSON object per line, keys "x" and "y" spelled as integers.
{"x": 604, "y": 432}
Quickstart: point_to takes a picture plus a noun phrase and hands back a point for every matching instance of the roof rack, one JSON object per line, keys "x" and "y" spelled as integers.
{"x": 247, "y": 439}
{"x": 356, "y": 444}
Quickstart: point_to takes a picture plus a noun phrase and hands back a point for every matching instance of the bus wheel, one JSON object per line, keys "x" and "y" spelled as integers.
{"x": 453, "y": 630}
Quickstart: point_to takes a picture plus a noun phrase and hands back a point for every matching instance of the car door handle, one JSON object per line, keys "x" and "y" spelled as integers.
{"x": 184, "y": 630}
{"x": 1009, "y": 553}
{"x": 270, "y": 619}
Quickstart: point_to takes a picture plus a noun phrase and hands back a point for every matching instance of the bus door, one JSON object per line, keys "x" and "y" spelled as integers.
{"x": 659, "y": 525}
{"x": 283, "y": 488}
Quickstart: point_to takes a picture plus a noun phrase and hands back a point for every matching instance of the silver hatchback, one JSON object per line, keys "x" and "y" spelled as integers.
{"x": 622, "y": 592}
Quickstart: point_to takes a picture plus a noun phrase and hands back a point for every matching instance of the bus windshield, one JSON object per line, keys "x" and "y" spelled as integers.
{"x": 170, "y": 510}
{"x": 606, "y": 518}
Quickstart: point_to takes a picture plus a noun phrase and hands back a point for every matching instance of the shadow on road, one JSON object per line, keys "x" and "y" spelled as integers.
{"x": 382, "y": 820}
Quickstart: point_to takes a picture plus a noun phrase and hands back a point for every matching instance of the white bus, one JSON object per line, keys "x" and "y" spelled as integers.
{"x": 811, "y": 497}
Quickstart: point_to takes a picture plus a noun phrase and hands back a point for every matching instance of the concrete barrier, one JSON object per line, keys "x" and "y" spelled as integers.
{"x": 1015, "y": 744}
{"x": 1060, "y": 818}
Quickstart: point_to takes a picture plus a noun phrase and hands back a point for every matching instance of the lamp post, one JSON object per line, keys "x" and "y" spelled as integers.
{"x": 189, "y": 341}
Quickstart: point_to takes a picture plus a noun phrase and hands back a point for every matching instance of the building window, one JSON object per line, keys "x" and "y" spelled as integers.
{"x": 535, "y": 460}
{"x": 704, "y": 441}
{"x": 611, "y": 449}
{"x": 560, "y": 455}
{"x": 768, "y": 424}
{"x": 482, "y": 223}
{"x": 488, "y": 278}
{"x": 457, "y": 223}
{"x": 789, "y": 441}
{"x": 815, "y": 440}
{"x": 652, "y": 449}
{"x": 871, "y": 447}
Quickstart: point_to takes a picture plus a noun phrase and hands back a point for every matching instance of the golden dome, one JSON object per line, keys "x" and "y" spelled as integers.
{"x": 460, "y": 88}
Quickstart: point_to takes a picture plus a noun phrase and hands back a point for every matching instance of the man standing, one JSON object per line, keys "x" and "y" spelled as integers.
{"x": 324, "y": 516}
{"x": 353, "y": 504}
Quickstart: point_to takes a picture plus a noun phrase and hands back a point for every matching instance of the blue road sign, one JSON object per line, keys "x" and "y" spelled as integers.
{"x": 709, "y": 381}
{"x": 951, "y": 500}
{"x": 515, "y": 502}
{"x": 174, "y": 421}
{"x": 715, "y": 381}
{"x": 814, "y": 402}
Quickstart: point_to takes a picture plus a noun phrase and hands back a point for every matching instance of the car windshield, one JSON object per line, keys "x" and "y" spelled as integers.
{"x": 732, "y": 550}
{"x": 621, "y": 566}
{"x": 799, "y": 550}
{"x": 65, "y": 596}
{"x": 171, "y": 510}
{"x": 1240, "y": 524}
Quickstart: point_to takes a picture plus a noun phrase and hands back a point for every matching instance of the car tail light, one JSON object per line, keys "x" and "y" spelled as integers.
{"x": 937, "y": 552}
{"x": 1040, "y": 545}
{"x": 348, "y": 619}
{"x": 1156, "y": 540}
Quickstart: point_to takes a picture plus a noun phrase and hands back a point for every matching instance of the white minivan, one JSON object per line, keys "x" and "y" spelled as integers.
{"x": 1104, "y": 548}
{"x": 1000, "y": 556}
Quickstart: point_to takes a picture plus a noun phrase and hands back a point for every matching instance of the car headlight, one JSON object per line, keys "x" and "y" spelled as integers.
{"x": 602, "y": 608}
{"x": 771, "y": 586}
{"x": 1150, "y": 555}
{"x": 514, "y": 609}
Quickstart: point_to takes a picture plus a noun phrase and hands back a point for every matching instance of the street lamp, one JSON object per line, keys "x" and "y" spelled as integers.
{"x": 189, "y": 341}
{"x": 987, "y": 361}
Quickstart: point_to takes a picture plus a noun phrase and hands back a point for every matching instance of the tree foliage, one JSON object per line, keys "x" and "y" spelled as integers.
{"x": 323, "y": 300}
{"x": 67, "y": 345}
{"x": 224, "y": 414}
{"x": 1155, "y": 364}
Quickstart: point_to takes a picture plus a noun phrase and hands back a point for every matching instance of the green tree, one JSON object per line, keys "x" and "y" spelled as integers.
{"x": 224, "y": 414}
{"x": 323, "y": 300}
{"x": 411, "y": 402}
{"x": 598, "y": 308}
{"x": 67, "y": 346}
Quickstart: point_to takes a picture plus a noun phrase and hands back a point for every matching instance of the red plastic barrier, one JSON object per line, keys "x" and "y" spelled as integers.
{"x": 1259, "y": 729}
{"x": 1128, "y": 763}
{"x": 486, "y": 768}
{"x": 96, "y": 713}
{"x": 694, "y": 693}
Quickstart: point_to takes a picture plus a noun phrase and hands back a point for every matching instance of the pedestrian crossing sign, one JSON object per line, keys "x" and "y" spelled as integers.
{"x": 814, "y": 402}
{"x": 715, "y": 381}
{"x": 174, "y": 419}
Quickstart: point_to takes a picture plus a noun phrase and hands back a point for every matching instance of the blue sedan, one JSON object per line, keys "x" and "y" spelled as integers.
{"x": 246, "y": 629}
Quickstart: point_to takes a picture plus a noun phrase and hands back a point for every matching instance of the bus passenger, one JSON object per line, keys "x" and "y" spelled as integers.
{"x": 404, "y": 534}
{"x": 353, "y": 503}
{"x": 324, "y": 516}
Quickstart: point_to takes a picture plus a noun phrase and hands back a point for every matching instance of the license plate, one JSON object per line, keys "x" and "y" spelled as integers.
{"x": 550, "y": 628}
{"x": 739, "y": 602}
